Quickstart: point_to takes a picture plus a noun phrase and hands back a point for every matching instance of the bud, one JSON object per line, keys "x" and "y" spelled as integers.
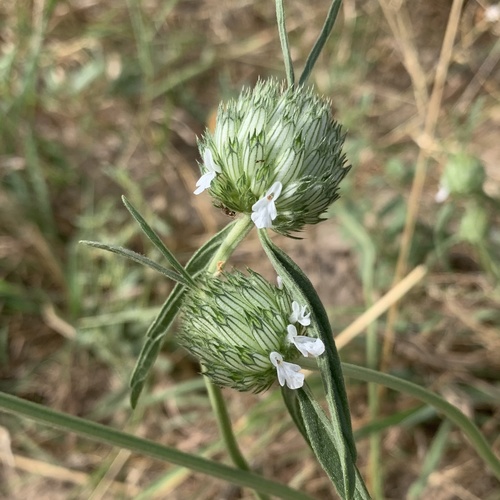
{"x": 279, "y": 155}
{"x": 474, "y": 224}
{"x": 237, "y": 326}
{"x": 463, "y": 175}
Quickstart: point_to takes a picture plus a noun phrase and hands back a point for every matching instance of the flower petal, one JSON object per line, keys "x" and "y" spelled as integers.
{"x": 204, "y": 182}
{"x": 299, "y": 315}
{"x": 264, "y": 210}
{"x": 209, "y": 163}
{"x": 309, "y": 346}
{"x": 288, "y": 373}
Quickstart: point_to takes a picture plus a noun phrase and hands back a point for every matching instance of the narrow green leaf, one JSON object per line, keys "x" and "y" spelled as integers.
{"x": 158, "y": 329}
{"x": 155, "y": 239}
{"x": 105, "y": 434}
{"x": 325, "y": 445}
{"x": 298, "y": 283}
{"x": 434, "y": 455}
{"x": 137, "y": 257}
{"x": 320, "y": 42}
{"x": 292, "y": 405}
{"x": 329, "y": 363}
{"x": 451, "y": 412}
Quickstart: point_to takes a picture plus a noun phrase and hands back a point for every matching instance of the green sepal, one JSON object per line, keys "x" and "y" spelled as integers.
{"x": 302, "y": 290}
{"x": 137, "y": 257}
{"x": 158, "y": 329}
{"x": 155, "y": 239}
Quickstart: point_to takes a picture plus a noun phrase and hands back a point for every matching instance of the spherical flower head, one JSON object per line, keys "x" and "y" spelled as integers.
{"x": 462, "y": 175}
{"x": 280, "y": 156}
{"x": 232, "y": 323}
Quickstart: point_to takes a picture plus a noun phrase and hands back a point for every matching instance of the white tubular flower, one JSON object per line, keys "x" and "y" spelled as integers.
{"x": 212, "y": 170}
{"x": 442, "y": 194}
{"x": 306, "y": 345}
{"x": 264, "y": 211}
{"x": 288, "y": 373}
{"x": 299, "y": 315}
{"x": 279, "y": 280}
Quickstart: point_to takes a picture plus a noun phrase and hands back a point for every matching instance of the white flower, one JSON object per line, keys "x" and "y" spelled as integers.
{"x": 492, "y": 13}
{"x": 279, "y": 279}
{"x": 442, "y": 194}
{"x": 213, "y": 169}
{"x": 299, "y": 315}
{"x": 287, "y": 372}
{"x": 306, "y": 345}
{"x": 264, "y": 211}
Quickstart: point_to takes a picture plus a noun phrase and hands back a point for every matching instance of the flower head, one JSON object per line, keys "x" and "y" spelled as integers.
{"x": 211, "y": 171}
{"x": 269, "y": 135}
{"x": 306, "y": 345}
{"x": 288, "y": 373}
{"x": 231, "y": 323}
{"x": 463, "y": 175}
{"x": 299, "y": 314}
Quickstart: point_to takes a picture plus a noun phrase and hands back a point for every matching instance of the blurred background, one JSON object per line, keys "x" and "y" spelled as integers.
{"x": 102, "y": 98}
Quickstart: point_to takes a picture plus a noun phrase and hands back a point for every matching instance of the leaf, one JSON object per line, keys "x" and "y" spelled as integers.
{"x": 155, "y": 239}
{"x": 329, "y": 363}
{"x": 324, "y": 444}
{"x": 158, "y": 329}
{"x": 292, "y": 405}
{"x": 137, "y": 257}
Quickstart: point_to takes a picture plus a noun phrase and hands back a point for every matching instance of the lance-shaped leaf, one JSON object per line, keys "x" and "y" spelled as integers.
{"x": 155, "y": 239}
{"x": 158, "y": 329}
{"x": 137, "y": 257}
{"x": 302, "y": 290}
{"x": 323, "y": 441}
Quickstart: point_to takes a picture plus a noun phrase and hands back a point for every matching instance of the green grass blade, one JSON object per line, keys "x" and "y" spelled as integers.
{"x": 113, "y": 437}
{"x": 329, "y": 363}
{"x": 158, "y": 329}
{"x": 137, "y": 257}
{"x": 155, "y": 239}
{"x": 451, "y": 412}
{"x": 432, "y": 459}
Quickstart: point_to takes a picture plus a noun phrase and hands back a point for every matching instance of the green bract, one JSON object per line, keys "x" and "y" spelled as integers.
{"x": 271, "y": 134}
{"x": 232, "y": 323}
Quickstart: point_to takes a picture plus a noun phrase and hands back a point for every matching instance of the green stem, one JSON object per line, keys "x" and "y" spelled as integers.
{"x": 242, "y": 227}
{"x": 105, "y": 434}
{"x": 451, "y": 412}
{"x": 320, "y": 42}
{"x": 285, "y": 47}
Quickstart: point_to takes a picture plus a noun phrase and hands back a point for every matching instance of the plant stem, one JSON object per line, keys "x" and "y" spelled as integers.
{"x": 242, "y": 227}
{"x": 285, "y": 47}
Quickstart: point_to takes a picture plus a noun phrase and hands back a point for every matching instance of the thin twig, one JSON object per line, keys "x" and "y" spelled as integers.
{"x": 429, "y": 129}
